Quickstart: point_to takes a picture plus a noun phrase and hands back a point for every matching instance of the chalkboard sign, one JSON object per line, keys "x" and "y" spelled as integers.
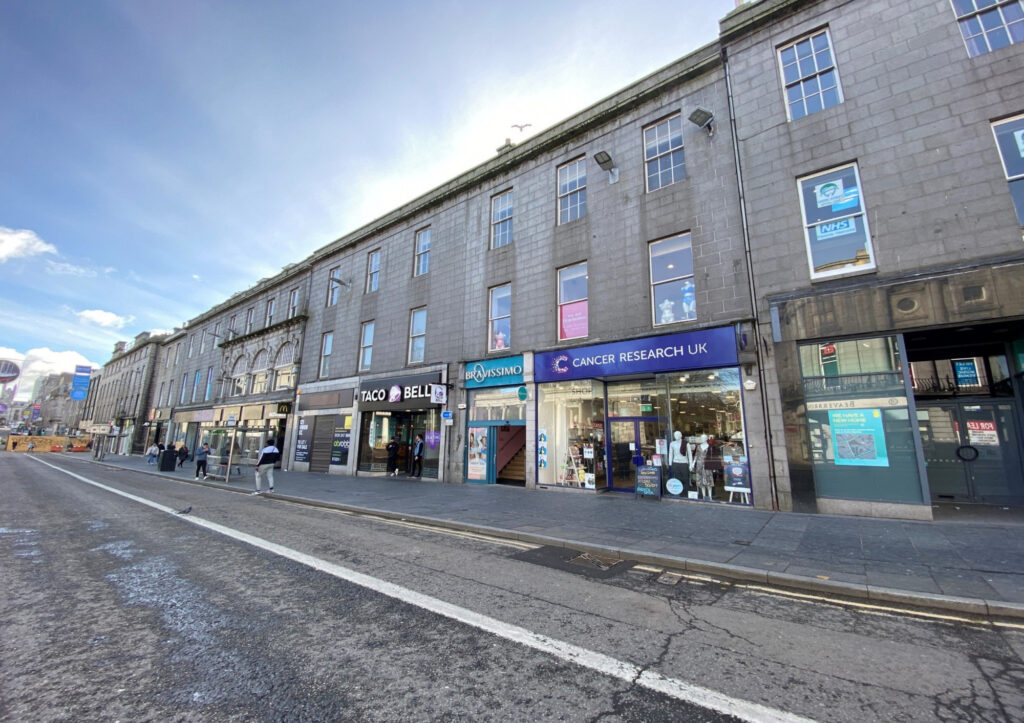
{"x": 648, "y": 481}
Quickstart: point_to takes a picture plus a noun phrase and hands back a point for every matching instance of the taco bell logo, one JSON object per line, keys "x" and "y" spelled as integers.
{"x": 395, "y": 394}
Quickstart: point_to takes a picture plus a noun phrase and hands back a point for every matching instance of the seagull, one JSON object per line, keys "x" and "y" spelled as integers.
{"x": 185, "y": 511}
{"x": 521, "y": 126}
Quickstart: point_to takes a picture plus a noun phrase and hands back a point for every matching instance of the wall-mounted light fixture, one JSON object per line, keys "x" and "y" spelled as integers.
{"x": 604, "y": 160}
{"x": 703, "y": 118}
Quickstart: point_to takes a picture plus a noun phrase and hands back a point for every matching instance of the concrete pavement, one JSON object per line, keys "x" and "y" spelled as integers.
{"x": 972, "y": 563}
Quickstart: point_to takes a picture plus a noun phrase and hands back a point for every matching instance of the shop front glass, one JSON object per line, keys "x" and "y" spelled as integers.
{"x": 859, "y": 434}
{"x": 377, "y": 429}
{"x": 690, "y": 424}
{"x": 496, "y": 423}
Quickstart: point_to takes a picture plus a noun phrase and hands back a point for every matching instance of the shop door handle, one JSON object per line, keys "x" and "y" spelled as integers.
{"x": 967, "y": 453}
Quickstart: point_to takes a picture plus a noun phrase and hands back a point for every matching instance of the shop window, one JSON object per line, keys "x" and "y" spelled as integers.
{"x": 502, "y": 207}
{"x": 373, "y": 271}
{"x": 809, "y": 75}
{"x": 417, "y": 335}
{"x": 326, "y": 348}
{"x": 496, "y": 404}
{"x": 500, "y": 318}
{"x": 573, "y": 318}
{"x": 1010, "y": 141}
{"x": 570, "y": 434}
{"x": 572, "y": 191}
{"x": 366, "y": 346}
{"x": 663, "y": 153}
{"x": 421, "y": 253}
{"x": 673, "y": 294}
{"x": 835, "y": 223}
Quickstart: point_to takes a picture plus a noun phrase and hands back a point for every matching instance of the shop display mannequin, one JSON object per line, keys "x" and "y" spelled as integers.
{"x": 678, "y": 463}
{"x": 703, "y": 479}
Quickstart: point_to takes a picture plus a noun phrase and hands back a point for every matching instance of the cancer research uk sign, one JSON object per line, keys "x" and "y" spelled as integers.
{"x": 691, "y": 350}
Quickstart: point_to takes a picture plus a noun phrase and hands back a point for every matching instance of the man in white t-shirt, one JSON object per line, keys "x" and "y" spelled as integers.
{"x": 265, "y": 466}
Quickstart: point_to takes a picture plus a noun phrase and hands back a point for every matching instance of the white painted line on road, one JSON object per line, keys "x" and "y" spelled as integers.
{"x": 562, "y": 650}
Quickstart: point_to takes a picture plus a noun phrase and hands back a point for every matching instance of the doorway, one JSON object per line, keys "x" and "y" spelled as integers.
{"x": 971, "y": 448}
{"x": 632, "y": 444}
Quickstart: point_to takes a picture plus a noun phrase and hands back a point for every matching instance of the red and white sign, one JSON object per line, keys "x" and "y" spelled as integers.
{"x": 983, "y": 433}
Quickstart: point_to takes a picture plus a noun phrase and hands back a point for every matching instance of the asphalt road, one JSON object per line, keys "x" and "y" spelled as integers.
{"x": 118, "y": 608}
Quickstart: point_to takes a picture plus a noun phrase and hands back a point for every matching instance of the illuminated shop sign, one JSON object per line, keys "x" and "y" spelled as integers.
{"x": 691, "y": 350}
{"x": 503, "y": 372}
{"x": 399, "y": 393}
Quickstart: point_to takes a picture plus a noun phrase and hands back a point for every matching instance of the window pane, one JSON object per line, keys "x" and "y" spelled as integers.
{"x": 419, "y": 322}
{"x": 831, "y": 195}
{"x": 836, "y": 244}
{"x": 501, "y": 301}
{"x": 368, "y": 334}
{"x": 671, "y": 258}
{"x": 501, "y": 334}
{"x": 573, "y": 320}
{"x": 572, "y": 283}
{"x": 675, "y": 301}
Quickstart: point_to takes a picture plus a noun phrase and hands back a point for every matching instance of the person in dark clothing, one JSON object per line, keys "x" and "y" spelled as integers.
{"x": 417, "y": 456}
{"x": 201, "y": 454}
{"x": 392, "y": 450}
{"x": 182, "y": 454}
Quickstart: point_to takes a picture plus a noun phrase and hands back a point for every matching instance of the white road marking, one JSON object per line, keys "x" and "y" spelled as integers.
{"x": 568, "y": 652}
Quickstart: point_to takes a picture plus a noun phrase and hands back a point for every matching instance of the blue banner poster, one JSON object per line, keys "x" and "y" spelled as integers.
{"x": 858, "y": 438}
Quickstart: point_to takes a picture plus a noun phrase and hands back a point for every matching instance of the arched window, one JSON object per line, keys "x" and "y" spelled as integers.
{"x": 238, "y": 378}
{"x": 286, "y": 371}
{"x": 260, "y": 373}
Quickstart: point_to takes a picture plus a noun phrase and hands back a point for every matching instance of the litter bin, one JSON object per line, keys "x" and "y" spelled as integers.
{"x": 168, "y": 460}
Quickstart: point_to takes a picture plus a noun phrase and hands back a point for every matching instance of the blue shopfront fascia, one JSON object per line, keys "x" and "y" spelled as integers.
{"x": 702, "y": 349}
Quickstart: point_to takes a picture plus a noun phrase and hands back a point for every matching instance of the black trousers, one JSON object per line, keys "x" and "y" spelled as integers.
{"x": 201, "y": 467}
{"x": 417, "y": 466}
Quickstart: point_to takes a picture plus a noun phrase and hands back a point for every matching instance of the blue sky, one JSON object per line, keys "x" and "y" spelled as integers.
{"x": 160, "y": 156}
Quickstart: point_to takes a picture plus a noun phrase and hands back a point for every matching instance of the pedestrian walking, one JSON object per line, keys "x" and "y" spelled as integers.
{"x": 201, "y": 454}
{"x": 151, "y": 453}
{"x": 31, "y": 446}
{"x": 265, "y": 466}
{"x": 392, "y": 450}
{"x": 182, "y": 454}
{"x": 417, "y": 456}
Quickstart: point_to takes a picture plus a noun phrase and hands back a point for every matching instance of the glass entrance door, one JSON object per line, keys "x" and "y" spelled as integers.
{"x": 972, "y": 451}
{"x": 632, "y": 444}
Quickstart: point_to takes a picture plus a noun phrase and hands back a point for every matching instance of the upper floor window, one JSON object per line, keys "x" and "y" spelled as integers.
{"x": 373, "y": 271}
{"x": 209, "y": 384}
{"x": 260, "y": 373}
{"x": 501, "y": 219}
{"x": 269, "y": 316}
{"x": 184, "y": 388}
{"x": 499, "y": 335}
{"x": 573, "y": 318}
{"x": 572, "y": 191}
{"x": 333, "y": 286}
{"x": 1010, "y": 140}
{"x": 417, "y": 335}
{"x": 988, "y": 25}
{"x": 421, "y": 254}
{"x": 673, "y": 296}
{"x": 195, "y": 385}
{"x": 191, "y": 344}
{"x": 238, "y": 378}
{"x": 285, "y": 370}
{"x": 202, "y": 341}
{"x": 250, "y": 313}
{"x": 366, "y": 346}
{"x": 809, "y": 75}
{"x": 326, "y": 349}
{"x": 293, "y": 303}
{"x": 177, "y": 353}
{"x": 663, "y": 153}
{"x": 835, "y": 224}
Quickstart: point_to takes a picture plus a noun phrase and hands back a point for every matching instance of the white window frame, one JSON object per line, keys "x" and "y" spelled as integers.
{"x": 663, "y": 139}
{"x": 854, "y": 218}
{"x": 421, "y": 252}
{"x": 195, "y": 385}
{"x": 502, "y": 211}
{"x": 679, "y": 284}
{"x": 209, "y": 384}
{"x": 1012, "y": 143}
{"x": 494, "y": 319}
{"x": 366, "y": 345}
{"x": 333, "y": 285}
{"x": 976, "y": 37}
{"x": 563, "y": 301}
{"x": 326, "y": 350}
{"x": 804, "y": 80}
{"x": 293, "y": 303}
{"x": 571, "y": 189}
{"x": 191, "y": 345}
{"x": 184, "y": 388}
{"x": 372, "y": 271}
{"x": 250, "y": 315}
{"x": 269, "y": 316}
{"x": 417, "y": 335}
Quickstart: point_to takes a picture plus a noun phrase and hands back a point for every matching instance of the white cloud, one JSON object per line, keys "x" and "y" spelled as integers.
{"x": 106, "y": 319}
{"x": 40, "y": 362}
{"x": 62, "y": 268}
{"x": 20, "y": 243}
